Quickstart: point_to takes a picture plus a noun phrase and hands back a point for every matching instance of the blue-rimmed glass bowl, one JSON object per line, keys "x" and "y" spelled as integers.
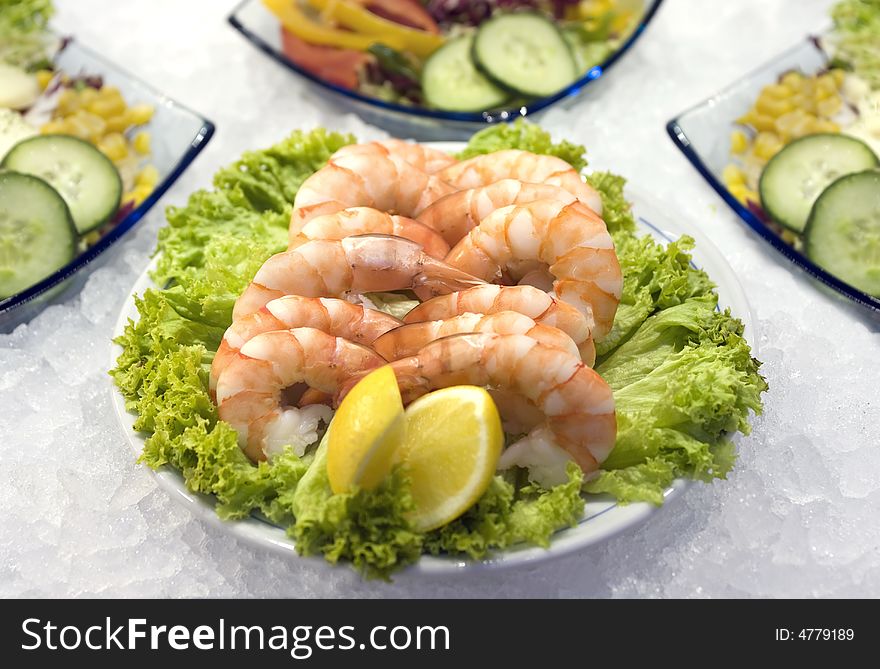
{"x": 177, "y": 135}
{"x": 262, "y": 29}
{"x": 703, "y": 135}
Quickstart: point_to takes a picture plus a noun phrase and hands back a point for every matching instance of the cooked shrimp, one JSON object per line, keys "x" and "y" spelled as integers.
{"x": 523, "y": 166}
{"x": 527, "y": 300}
{"x": 366, "y": 179}
{"x": 366, "y": 221}
{"x": 548, "y": 241}
{"x": 335, "y": 317}
{"x": 578, "y": 406}
{"x": 424, "y": 158}
{"x": 250, "y": 390}
{"x": 409, "y": 339}
{"x": 456, "y": 214}
{"x": 362, "y": 264}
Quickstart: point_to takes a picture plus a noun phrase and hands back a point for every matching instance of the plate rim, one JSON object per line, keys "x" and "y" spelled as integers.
{"x": 602, "y": 525}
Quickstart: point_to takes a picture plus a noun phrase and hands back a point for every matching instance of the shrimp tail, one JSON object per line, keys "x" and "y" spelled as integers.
{"x": 438, "y": 278}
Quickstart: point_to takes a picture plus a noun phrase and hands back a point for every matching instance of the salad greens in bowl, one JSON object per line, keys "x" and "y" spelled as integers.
{"x": 85, "y": 151}
{"x": 794, "y": 149}
{"x": 443, "y": 69}
{"x": 677, "y": 360}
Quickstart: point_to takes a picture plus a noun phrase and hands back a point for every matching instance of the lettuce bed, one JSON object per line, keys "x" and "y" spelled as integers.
{"x": 683, "y": 376}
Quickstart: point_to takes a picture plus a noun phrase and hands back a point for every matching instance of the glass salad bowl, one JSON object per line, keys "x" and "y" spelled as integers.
{"x": 261, "y": 28}
{"x": 177, "y": 137}
{"x": 703, "y": 134}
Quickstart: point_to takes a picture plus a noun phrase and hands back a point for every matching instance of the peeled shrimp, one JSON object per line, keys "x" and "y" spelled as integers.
{"x": 335, "y": 317}
{"x": 577, "y": 405}
{"x": 523, "y": 166}
{"x": 250, "y": 390}
{"x": 365, "y": 221}
{"x": 361, "y": 178}
{"x": 362, "y": 264}
{"x": 409, "y": 339}
{"x": 548, "y": 243}
{"x": 528, "y": 300}
{"x": 424, "y": 158}
{"x": 456, "y": 214}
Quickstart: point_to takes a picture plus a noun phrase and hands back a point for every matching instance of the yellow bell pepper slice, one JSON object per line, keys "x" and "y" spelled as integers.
{"x": 354, "y": 16}
{"x": 297, "y": 23}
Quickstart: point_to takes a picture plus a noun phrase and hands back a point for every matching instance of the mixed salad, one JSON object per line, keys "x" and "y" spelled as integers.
{"x": 805, "y": 157}
{"x": 683, "y": 381}
{"x": 74, "y": 157}
{"x": 456, "y": 55}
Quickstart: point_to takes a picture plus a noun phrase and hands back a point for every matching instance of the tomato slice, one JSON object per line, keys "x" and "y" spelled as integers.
{"x": 338, "y": 66}
{"x": 405, "y": 12}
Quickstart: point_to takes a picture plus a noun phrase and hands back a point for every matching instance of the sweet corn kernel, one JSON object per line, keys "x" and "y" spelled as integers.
{"x": 772, "y": 106}
{"x": 141, "y": 193}
{"x": 767, "y": 145}
{"x": 762, "y": 122}
{"x": 789, "y": 236}
{"x": 94, "y": 124}
{"x": 114, "y": 146}
{"x": 743, "y": 193}
{"x": 792, "y": 80}
{"x": 52, "y": 128}
{"x": 732, "y": 175}
{"x": 43, "y": 78}
{"x": 838, "y": 76}
{"x": 118, "y": 123}
{"x": 824, "y": 125}
{"x": 140, "y": 114}
{"x": 74, "y": 125}
{"x": 91, "y": 238}
{"x": 803, "y": 102}
{"x": 141, "y": 142}
{"x": 738, "y": 141}
{"x": 777, "y": 91}
{"x": 107, "y": 106}
{"x": 830, "y": 106}
{"x": 786, "y": 123}
{"x": 68, "y": 102}
{"x": 149, "y": 176}
{"x": 826, "y": 86}
{"x": 87, "y": 96}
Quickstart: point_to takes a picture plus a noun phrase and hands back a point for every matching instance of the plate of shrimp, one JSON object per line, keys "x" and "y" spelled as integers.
{"x": 514, "y": 278}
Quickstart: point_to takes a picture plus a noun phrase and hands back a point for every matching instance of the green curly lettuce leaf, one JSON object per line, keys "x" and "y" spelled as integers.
{"x": 616, "y": 209}
{"x": 251, "y": 204}
{"x": 683, "y": 382}
{"x": 526, "y": 137}
{"x": 24, "y": 33}
{"x": 367, "y": 528}
{"x": 505, "y": 516}
{"x": 856, "y": 38}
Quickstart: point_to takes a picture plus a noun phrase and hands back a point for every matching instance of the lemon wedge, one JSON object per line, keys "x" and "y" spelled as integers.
{"x": 365, "y": 433}
{"x": 451, "y": 447}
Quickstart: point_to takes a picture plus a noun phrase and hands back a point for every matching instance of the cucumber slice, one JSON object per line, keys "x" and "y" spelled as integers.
{"x": 450, "y": 80}
{"x": 843, "y": 233}
{"x": 82, "y": 175}
{"x": 794, "y": 177}
{"x": 37, "y": 236}
{"x": 526, "y": 53}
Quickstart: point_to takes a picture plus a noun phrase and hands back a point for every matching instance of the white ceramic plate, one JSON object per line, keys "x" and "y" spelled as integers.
{"x": 603, "y": 517}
